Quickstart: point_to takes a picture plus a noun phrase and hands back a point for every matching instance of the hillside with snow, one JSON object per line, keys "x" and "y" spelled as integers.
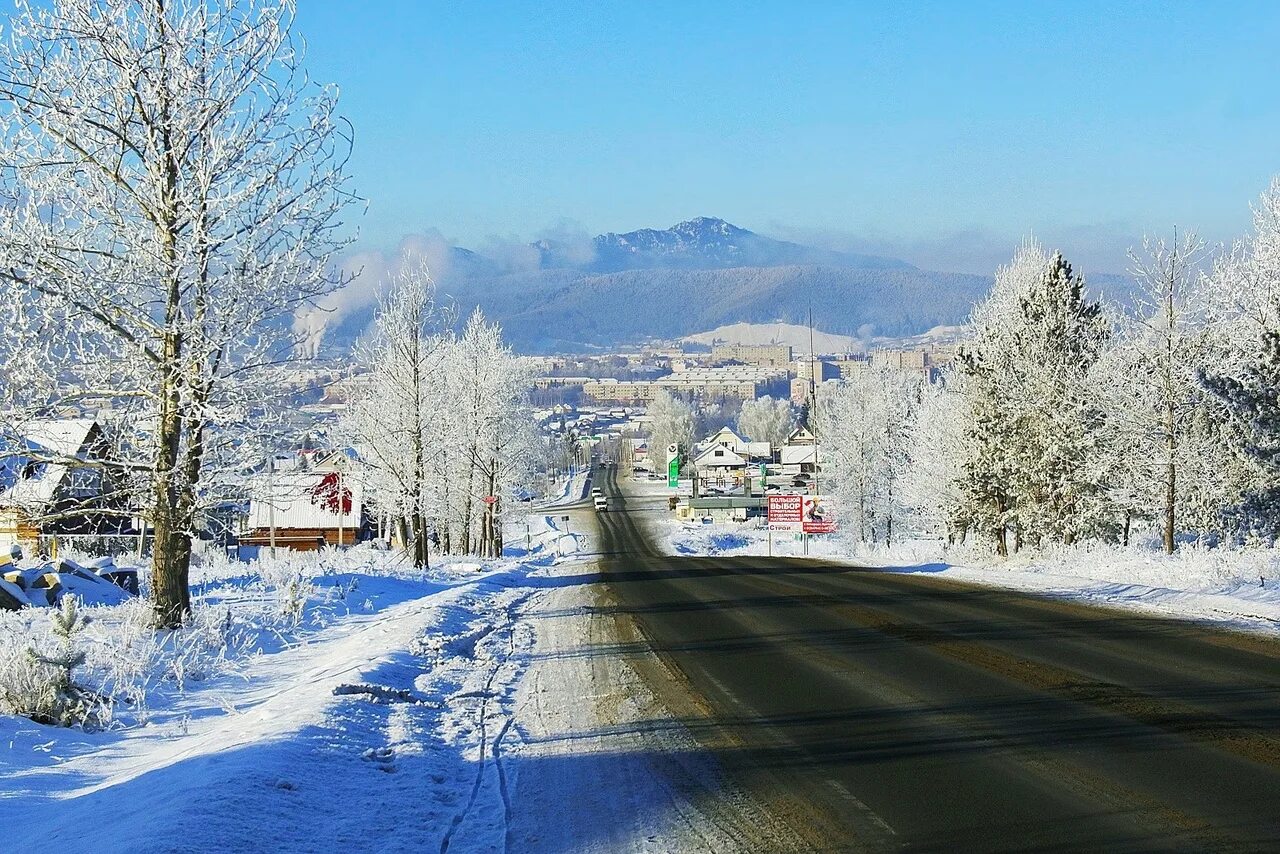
{"x": 680, "y": 281}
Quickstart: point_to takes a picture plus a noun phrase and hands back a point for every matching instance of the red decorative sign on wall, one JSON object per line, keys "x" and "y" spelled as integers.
{"x": 331, "y": 494}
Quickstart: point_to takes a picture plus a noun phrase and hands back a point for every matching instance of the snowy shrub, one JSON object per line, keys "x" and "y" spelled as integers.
{"x": 120, "y": 661}
{"x": 39, "y": 682}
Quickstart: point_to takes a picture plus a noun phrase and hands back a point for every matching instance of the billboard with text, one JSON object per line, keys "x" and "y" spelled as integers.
{"x": 786, "y": 513}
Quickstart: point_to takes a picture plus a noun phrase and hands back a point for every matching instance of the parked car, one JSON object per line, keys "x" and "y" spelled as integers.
{"x": 597, "y": 492}
{"x": 800, "y": 480}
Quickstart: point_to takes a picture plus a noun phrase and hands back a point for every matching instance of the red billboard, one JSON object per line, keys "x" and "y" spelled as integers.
{"x": 815, "y": 516}
{"x": 786, "y": 513}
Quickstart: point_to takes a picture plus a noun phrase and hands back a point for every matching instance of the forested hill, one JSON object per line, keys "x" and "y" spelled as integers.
{"x": 600, "y": 309}
{"x": 692, "y": 277}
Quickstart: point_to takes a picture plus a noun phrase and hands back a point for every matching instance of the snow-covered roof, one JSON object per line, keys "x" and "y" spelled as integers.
{"x": 792, "y": 455}
{"x": 718, "y": 456}
{"x": 33, "y": 464}
{"x": 800, "y": 436}
{"x": 64, "y": 437}
{"x": 726, "y": 434}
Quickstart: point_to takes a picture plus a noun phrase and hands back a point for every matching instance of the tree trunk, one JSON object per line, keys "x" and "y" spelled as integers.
{"x": 1001, "y": 531}
{"x": 171, "y": 548}
{"x": 420, "y": 555}
{"x": 497, "y": 530}
{"x": 170, "y": 570}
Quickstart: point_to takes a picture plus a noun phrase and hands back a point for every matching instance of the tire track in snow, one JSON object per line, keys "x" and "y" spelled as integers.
{"x": 461, "y": 816}
{"x": 486, "y": 750}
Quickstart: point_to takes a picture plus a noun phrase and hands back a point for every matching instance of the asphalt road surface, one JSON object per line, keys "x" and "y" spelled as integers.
{"x": 880, "y": 711}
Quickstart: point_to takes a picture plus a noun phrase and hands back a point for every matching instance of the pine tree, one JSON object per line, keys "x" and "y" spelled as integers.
{"x": 1254, "y": 399}
{"x": 1058, "y": 339}
{"x": 1031, "y": 460}
{"x": 985, "y": 374}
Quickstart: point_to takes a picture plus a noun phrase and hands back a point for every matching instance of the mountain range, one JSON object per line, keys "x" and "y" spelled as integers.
{"x": 692, "y": 277}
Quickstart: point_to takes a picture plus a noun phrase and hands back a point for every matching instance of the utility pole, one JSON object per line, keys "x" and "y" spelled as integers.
{"x": 813, "y": 415}
{"x": 271, "y": 500}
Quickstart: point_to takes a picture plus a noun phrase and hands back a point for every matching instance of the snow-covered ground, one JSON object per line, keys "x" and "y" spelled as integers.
{"x": 385, "y": 696}
{"x": 1239, "y": 588}
{"x": 475, "y": 707}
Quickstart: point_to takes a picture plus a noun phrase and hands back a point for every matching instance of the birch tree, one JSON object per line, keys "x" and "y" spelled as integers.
{"x": 766, "y": 420}
{"x": 393, "y": 418}
{"x": 673, "y": 423}
{"x": 1166, "y": 429}
{"x": 932, "y": 481}
{"x": 173, "y": 185}
{"x": 493, "y": 429}
{"x": 866, "y": 425}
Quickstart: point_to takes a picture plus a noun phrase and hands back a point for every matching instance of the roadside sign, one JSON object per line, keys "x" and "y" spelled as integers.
{"x": 786, "y": 513}
{"x": 490, "y": 499}
{"x": 800, "y": 514}
{"x": 764, "y": 477}
{"x": 816, "y": 517}
{"x": 673, "y": 465}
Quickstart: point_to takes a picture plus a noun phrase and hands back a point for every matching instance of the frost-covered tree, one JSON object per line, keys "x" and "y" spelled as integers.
{"x": 672, "y": 422}
{"x": 1059, "y": 475}
{"x": 866, "y": 427}
{"x": 986, "y": 371}
{"x": 766, "y": 420}
{"x": 1248, "y": 280}
{"x": 489, "y": 431}
{"x": 1033, "y": 462}
{"x": 393, "y": 419}
{"x": 1167, "y": 435}
{"x": 442, "y": 422}
{"x": 934, "y": 474}
{"x": 172, "y": 184}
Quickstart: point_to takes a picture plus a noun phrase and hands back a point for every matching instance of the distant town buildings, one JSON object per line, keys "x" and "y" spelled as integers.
{"x": 764, "y": 355}
{"x": 739, "y": 382}
{"x": 544, "y": 383}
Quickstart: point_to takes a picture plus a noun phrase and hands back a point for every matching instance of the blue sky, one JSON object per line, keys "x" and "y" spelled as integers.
{"x": 937, "y": 131}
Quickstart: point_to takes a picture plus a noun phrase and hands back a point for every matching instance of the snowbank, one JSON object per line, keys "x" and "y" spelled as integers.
{"x": 302, "y": 688}
{"x": 1239, "y": 588}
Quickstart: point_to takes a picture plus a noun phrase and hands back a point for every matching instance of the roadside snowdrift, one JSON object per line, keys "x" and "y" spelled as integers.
{"x": 1239, "y": 588}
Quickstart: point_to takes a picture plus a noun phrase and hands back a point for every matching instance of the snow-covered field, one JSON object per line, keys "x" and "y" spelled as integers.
{"x": 258, "y": 728}
{"x": 1239, "y": 588}
{"x": 344, "y": 701}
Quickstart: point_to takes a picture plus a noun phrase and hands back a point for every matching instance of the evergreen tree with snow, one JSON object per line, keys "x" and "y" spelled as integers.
{"x": 1032, "y": 465}
{"x": 985, "y": 374}
{"x": 1246, "y": 378}
{"x": 1254, "y": 399}
{"x": 1059, "y": 478}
